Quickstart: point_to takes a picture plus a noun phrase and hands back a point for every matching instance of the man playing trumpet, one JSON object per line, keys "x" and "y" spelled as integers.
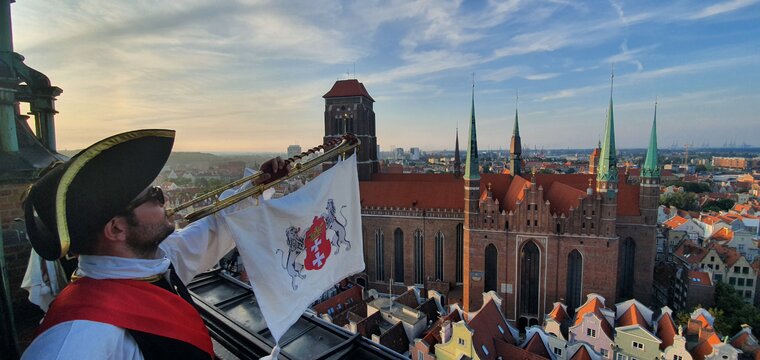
{"x": 127, "y": 299}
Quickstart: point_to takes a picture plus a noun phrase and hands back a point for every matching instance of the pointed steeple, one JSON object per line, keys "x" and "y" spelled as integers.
{"x": 457, "y": 160}
{"x": 651, "y": 168}
{"x": 515, "y": 148}
{"x": 471, "y": 169}
{"x": 607, "y": 169}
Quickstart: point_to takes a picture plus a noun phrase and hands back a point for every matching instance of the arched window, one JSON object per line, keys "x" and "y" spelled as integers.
{"x": 398, "y": 255}
{"x": 460, "y": 254}
{"x": 419, "y": 257}
{"x": 491, "y": 266}
{"x": 574, "y": 280}
{"x": 379, "y": 255}
{"x": 628, "y": 267}
{"x": 530, "y": 261}
{"x": 439, "y": 256}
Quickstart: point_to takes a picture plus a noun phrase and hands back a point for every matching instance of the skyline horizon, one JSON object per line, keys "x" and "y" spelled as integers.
{"x": 213, "y": 73}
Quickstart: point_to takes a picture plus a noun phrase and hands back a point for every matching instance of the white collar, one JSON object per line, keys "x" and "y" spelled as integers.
{"x": 113, "y": 267}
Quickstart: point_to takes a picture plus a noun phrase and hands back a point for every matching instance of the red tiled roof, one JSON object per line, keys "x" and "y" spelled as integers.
{"x": 632, "y": 316}
{"x": 446, "y": 191}
{"x": 485, "y": 326}
{"x": 666, "y": 330}
{"x": 581, "y": 354}
{"x": 675, "y": 222}
{"x": 740, "y": 340}
{"x": 515, "y": 192}
{"x": 594, "y": 305}
{"x": 701, "y": 350}
{"x": 536, "y": 346}
{"x": 724, "y": 234}
{"x": 433, "y": 335}
{"x": 729, "y": 255}
{"x": 709, "y": 219}
{"x": 700, "y": 278}
{"x": 346, "y": 88}
{"x": 691, "y": 252}
{"x": 506, "y": 350}
{"x": 558, "y": 313}
{"x": 562, "y": 197}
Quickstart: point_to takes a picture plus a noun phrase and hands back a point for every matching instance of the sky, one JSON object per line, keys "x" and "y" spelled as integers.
{"x": 248, "y": 76}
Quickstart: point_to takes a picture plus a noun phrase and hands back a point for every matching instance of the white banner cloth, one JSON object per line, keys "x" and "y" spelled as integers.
{"x": 296, "y": 247}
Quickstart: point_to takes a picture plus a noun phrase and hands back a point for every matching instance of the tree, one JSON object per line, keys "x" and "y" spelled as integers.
{"x": 681, "y": 200}
{"x": 718, "y": 205}
{"x": 734, "y": 311}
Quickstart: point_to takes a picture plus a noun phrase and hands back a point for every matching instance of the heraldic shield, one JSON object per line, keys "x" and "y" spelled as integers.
{"x": 317, "y": 247}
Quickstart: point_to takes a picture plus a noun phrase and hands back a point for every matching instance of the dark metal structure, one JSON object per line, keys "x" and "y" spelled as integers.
{"x": 237, "y": 326}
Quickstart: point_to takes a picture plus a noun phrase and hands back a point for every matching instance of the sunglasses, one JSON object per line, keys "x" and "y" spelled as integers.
{"x": 153, "y": 193}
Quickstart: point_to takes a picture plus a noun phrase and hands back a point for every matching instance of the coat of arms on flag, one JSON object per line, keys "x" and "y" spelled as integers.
{"x": 296, "y": 247}
{"x": 314, "y": 241}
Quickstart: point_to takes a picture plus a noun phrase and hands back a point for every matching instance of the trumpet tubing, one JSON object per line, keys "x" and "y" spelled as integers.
{"x": 332, "y": 148}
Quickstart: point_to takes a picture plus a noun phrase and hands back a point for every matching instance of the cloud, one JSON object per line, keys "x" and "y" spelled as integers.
{"x": 721, "y": 8}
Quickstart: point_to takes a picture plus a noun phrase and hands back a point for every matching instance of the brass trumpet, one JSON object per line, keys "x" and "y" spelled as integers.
{"x": 332, "y": 148}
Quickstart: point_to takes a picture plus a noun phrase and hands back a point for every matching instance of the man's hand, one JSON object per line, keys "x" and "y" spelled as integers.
{"x": 271, "y": 170}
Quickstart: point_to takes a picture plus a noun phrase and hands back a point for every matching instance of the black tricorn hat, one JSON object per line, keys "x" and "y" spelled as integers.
{"x": 69, "y": 205}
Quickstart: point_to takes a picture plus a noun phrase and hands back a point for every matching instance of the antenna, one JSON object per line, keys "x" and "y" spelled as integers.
{"x": 612, "y": 79}
{"x": 354, "y": 69}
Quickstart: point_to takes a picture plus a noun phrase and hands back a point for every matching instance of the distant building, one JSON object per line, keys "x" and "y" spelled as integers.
{"x": 414, "y": 153}
{"x": 398, "y": 154}
{"x": 294, "y": 150}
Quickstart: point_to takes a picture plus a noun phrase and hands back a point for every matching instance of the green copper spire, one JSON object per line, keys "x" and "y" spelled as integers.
{"x": 651, "y": 168}
{"x": 607, "y": 169}
{"x": 471, "y": 170}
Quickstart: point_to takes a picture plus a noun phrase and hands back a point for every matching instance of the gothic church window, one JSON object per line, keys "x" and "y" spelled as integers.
{"x": 490, "y": 268}
{"x": 574, "y": 279}
{"x": 398, "y": 255}
{"x": 379, "y": 255}
{"x": 529, "y": 279}
{"x": 419, "y": 257}
{"x": 628, "y": 267}
{"x": 439, "y": 256}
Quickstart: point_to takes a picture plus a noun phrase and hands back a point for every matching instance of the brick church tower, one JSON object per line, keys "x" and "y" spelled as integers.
{"x": 348, "y": 109}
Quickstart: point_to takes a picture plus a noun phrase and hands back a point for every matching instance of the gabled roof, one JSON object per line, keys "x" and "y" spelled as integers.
{"x": 593, "y": 307}
{"x": 728, "y": 255}
{"x": 691, "y": 252}
{"x": 581, "y": 354}
{"x": 433, "y": 335}
{"x": 559, "y": 313}
{"x": 506, "y": 350}
{"x": 709, "y": 219}
{"x": 703, "y": 316}
{"x": 536, "y": 345}
{"x": 666, "y": 329}
{"x": 487, "y": 326}
{"x": 348, "y": 88}
{"x": 632, "y": 316}
{"x": 641, "y": 316}
{"x": 724, "y": 234}
{"x": 701, "y": 350}
{"x": 675, "y": 222}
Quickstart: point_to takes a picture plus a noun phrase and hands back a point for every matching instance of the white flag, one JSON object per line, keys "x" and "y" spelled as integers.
{"x": 296, "y": 247}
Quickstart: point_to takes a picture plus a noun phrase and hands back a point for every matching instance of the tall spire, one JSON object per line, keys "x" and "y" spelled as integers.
{"x": 457, "y": 160}
{"x": 515, "y": 148}
{"x": 607, "y": 170}
{"x": 471, "y": 169}
{"x": 651, "y": 168}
